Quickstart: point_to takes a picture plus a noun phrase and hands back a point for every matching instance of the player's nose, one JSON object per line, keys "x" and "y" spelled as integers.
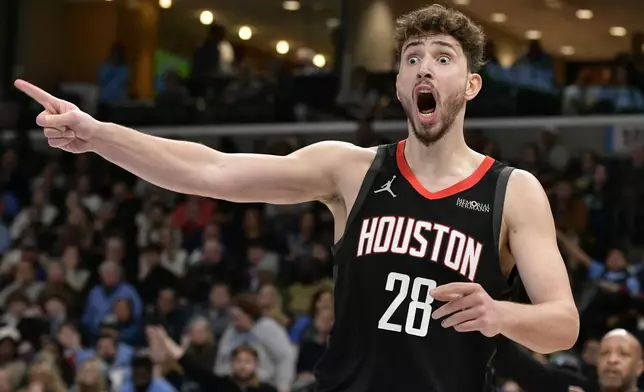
{"x": 425, "y": 71}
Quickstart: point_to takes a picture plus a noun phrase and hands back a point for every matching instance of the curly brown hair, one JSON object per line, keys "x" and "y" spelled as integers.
{"x": 437, "y": 19}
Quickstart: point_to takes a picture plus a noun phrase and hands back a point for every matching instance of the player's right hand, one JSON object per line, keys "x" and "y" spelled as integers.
{"x": 65, "y": 126}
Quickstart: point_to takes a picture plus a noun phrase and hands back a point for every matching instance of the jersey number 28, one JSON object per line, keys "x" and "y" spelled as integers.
{"x": 416, "y": 304}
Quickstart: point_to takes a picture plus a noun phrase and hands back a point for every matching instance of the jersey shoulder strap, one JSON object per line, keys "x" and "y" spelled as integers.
{"x": 365, "y": 187}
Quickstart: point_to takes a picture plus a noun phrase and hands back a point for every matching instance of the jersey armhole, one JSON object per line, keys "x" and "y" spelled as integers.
{"x": 365, "y": 187}
{"x": 499, "y": 201}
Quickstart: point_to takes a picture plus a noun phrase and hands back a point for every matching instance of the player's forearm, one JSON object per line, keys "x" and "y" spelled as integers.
{"x": 544, "y": 328}
{"x": 171, "y": 164}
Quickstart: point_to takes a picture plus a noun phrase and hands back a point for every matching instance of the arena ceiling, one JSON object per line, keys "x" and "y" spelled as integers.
{"x": 555, "y": 20}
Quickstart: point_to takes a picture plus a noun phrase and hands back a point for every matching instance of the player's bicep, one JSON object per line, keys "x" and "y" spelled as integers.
{"x": 305, "y": 175}
{"x": 533, "y": 241}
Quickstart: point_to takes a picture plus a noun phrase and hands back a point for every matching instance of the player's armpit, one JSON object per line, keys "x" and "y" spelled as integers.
{"x": 551, "y": 323}
{"x": 311, "y": 173}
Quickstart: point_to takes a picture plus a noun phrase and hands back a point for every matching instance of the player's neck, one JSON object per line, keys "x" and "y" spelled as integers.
{"x": 449, "y": 152}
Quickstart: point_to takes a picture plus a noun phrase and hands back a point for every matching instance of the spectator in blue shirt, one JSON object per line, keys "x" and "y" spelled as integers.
{"x": 114, "y": 76}
{"x": 101, "y": 299}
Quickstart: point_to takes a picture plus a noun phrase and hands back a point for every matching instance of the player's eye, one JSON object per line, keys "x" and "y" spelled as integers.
{"x": 413, "y": 60}
{"x": 444, "y": 60}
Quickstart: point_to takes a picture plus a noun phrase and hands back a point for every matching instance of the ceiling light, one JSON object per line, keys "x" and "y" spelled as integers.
{"x": 206, "y": 17}
{"x": 567, "y": 50}
{"x": 584, "y": 14}
{"x": 498, "y": 17}
{"x": 462, "y": 2}
{"x": 319, "y": 61}
{"x": 332, "y": 23}
{"x": 291, "y": 5}
{"x": 165, "y": 3}
{"x": 617, "y": 31}
{"x": 533, "y": 34}
{"x": 245, "y": 33}
{"x": 282, "y": 47}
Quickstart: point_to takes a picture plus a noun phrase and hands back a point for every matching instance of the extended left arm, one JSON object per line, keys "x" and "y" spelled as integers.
{"x": 551, "y": 323}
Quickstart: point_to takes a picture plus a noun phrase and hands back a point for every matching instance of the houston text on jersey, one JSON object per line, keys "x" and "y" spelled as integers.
{"x": 421, "y": 239}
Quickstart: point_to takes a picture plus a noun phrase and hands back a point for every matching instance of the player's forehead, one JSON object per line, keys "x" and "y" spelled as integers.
{"x": 429, "y": 40}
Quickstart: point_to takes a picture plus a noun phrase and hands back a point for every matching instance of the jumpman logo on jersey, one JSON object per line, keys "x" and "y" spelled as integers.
{"x": 387, "y": 187}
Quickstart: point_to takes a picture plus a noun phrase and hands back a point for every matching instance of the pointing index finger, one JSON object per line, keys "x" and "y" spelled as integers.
{"x": 450, "y": 290}
{"x": 39, "y": 95}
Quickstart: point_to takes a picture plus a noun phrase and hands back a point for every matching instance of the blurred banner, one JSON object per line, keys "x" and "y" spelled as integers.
{"x": 623, "y": 138}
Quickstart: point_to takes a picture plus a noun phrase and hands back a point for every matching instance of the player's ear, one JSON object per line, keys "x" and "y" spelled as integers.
{"x": 474, "y": 84}
{"x": 397, "y": 77}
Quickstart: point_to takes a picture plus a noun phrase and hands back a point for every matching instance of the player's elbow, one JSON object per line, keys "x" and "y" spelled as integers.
{"x": 564, "y": 333}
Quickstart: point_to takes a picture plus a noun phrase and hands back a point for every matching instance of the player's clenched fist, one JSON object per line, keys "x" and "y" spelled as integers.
{"x": 65, "y": 126}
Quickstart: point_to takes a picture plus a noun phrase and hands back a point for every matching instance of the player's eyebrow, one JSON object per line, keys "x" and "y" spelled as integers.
{"x": 438, "y": 42}
{"x": 445, "y": 44}
{"x": 410, "y": 44}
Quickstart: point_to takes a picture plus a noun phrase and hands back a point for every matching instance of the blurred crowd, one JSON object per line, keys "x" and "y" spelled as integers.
{"x": 222, "y": 83}
{"x": 92, "y": 257}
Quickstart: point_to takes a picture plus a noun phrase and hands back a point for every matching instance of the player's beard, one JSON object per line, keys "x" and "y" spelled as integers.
{"x": 447, "y": 112}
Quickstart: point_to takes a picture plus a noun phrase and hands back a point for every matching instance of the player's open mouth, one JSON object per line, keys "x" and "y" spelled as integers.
{"x": 425, "y": 103}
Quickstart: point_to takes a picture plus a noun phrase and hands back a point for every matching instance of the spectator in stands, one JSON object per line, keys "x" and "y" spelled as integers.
{"x": 271, "y": 305}
{"x": 55, "y": 286}
{"x": 556, "y": 155}
{"x": 534, "y": 69}
{"x": 532, "y": 161}
{"x": 173, "y": 258}
{"x": 143, "y": 378}
{"x": 312, "y": 348}
{"x": 167, "y": 313}
{"x": 263, "y": 265}
{"x": 39, "y": 212}
{"x": 116, "y": 359}
{"x": 15, "y": 309}
{"x": 10, "y": 363}
{"x": 212, "y": 268}
{"x": 24, "y": 281}
{"x": 200, "y": 343}
{"x": 75, "y": 276}
{"x": 616, "y": 284}
{"x": 206, "y": 61}
{"x": 56, "y": 313}
{"x": 90, "y": 200}
{"x": 43, "y": 376}
{"x": 114, "y": 76}
{"x": 150, "y": 221}
{"x": 90, "y": 377}
{"x": 570, "y": 212}
{"x": 129, "y": 327}
{"x": 153, "y": 276}
{"x": 322, "y": 300}
{"x": 244, "y": 375}
{"x": 276, "y": 355}
{"x": 101, "y": 298}
{"x": 217, "y": 311}
{"x": 360, "y": 100}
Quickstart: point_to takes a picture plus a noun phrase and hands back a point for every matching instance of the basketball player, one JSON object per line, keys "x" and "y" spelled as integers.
{"x": 425, "y": 231}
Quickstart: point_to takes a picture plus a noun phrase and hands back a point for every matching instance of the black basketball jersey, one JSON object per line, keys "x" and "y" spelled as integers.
{"x": 401, "y": 241}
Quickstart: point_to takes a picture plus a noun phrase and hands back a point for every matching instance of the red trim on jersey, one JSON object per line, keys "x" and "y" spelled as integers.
{"x": 449, "y": 191}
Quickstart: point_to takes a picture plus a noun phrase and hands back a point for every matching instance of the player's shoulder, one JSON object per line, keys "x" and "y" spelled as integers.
{"x": 525, "y": 196}
{"x": 339, "y": 152}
